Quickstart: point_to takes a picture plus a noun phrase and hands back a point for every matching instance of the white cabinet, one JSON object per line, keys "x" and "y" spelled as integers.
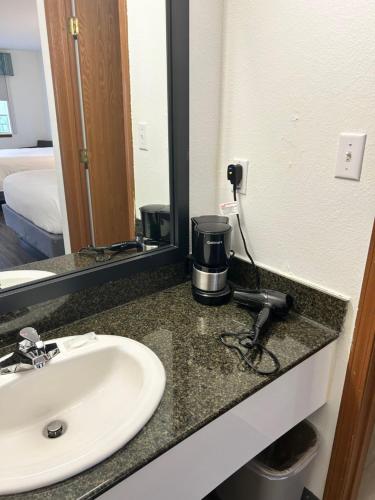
{"x": 194, "y": 467}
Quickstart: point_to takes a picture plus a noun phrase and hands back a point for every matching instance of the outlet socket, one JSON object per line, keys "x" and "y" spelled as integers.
{"x": 245, "y": 167}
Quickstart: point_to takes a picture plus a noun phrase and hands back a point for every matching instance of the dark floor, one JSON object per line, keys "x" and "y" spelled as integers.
{"x": 12, "y": 251}
{"x": 307, "y": 495}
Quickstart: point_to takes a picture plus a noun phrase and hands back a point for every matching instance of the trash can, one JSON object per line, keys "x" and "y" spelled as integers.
{"x": 278, "y": 472}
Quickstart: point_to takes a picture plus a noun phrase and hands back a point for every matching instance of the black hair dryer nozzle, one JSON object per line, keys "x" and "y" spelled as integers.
{"x": 268, "y": 304}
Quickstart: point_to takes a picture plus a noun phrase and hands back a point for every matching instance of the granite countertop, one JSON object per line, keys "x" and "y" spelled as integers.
{"x": 78, "y": 261}
{"x": 73, "y": 262}
{"x": 204, "y": 379}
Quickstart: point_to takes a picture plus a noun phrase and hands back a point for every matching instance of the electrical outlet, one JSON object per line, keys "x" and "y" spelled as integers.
{"x": 245, "y": 167}
{"x": 350, "y": 156}
{"x": 142, "y": 136}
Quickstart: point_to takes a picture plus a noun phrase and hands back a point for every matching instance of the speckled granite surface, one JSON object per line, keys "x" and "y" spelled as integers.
{"x": 319, "y": 306}
{"x": 204, "y": 379}
{"x": 68, "y": 308}
{"x": 326, "y": 309}
{"x": 72, "y": 262}
{"x": 76, "y": 261}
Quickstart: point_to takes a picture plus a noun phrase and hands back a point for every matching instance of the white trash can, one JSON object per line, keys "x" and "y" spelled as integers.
{"x": 278, "y": 472}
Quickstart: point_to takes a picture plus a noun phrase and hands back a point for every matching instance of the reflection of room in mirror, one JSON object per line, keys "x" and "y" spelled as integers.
{"x": 149, "y": 101}
{"x": 30, "y": 216}
{"x": 84, "y": 146}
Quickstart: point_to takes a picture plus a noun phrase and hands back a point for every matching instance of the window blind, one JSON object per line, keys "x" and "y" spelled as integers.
{"x": 6, "y": 66}
{"x": 6, "y": 69}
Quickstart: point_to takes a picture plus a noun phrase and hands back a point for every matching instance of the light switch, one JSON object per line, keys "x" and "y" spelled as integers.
{"x": 350, "y": 156}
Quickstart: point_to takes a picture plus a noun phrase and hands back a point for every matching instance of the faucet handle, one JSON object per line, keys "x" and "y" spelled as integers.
{"x": 31, "y": 339}
{"x": 30, "y": 334}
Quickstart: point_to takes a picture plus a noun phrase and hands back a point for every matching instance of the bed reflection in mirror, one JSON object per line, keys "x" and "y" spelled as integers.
{"x": 84, "y": 133}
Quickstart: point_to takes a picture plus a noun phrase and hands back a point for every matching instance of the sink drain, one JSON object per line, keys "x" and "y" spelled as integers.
{"x": 54, "y": 429}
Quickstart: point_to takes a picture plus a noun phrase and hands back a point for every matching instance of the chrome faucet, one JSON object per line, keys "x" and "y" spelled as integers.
{"x": 31, "y": 353}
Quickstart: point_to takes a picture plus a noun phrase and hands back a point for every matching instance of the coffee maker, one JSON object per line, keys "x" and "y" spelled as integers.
{"x": 156, "y": 226}
{"x": 211, "y": 253}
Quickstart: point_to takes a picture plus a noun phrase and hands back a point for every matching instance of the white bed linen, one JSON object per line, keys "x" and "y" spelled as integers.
{"x": 16, "y": 160}
{"x": 34, "y": 194}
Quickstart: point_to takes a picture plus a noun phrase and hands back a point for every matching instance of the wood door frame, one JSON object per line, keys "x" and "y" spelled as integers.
{"x": 357, "y": 410}
{"x": 128, "y": 132}
{"x": 64, "y": 76}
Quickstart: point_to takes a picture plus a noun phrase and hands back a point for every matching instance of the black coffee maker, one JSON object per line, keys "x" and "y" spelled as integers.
{"x": 156, "y": 226}
{"x": 211, "y": 252}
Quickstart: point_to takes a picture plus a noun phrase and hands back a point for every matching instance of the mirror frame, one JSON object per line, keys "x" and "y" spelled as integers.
{"x": 177, "y": 12}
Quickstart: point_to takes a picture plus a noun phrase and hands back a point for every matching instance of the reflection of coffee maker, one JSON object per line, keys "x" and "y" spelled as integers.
{"x": 211, "y": 250}
{"x": 156, "y": 225}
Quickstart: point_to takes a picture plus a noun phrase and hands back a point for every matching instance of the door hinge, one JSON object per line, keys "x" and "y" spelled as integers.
{"x": 74, "y": 26}
{"x": 84, "y": 157}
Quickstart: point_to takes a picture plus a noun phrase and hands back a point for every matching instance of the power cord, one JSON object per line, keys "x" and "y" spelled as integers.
{"x": 235, "y": 176}
{"x": 106, "y": 253}
{"x": 254, "y": 352}
{"x": 246, "y": 344}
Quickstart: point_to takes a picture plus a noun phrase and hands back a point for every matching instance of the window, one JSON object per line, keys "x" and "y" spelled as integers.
{"x": 5, "y": 126}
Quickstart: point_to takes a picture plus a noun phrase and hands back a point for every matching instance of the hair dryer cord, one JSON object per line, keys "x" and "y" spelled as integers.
{"x": 254, "y": 352}
{"x": 248, "y": 346}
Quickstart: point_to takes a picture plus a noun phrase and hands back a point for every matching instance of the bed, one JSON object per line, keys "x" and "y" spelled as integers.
{"x": 32, "y": 209}
{"x": 16, "y": 160}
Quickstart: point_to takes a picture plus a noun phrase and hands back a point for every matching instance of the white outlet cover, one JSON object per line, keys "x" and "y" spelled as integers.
{"x": 142, "y": 136}
{"x": 350, "y": 156}
{"x": 245, "y": 167}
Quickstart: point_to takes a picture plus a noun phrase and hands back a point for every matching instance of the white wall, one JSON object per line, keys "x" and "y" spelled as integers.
{"x": 27, "y": 92}
{"x": 47, "y": 78}
{"x": 206, "y": 51}
{"x": 149, "y": 98}
{"x": 294, "y": 75}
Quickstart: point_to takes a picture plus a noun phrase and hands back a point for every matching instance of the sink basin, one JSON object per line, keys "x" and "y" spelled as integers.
{"x": 103, "y": 391}
{"x": 14, "y": 278}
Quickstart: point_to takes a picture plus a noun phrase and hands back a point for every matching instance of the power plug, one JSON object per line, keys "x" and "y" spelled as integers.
{"x": 234, "y": 174}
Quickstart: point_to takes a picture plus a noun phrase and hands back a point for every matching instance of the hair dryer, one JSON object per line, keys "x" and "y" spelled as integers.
{"x": 268, "y": 304}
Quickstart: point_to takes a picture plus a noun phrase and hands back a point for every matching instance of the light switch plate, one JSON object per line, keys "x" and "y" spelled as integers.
{"x": 245, "y": 167}
{"x": 350, "y": 156}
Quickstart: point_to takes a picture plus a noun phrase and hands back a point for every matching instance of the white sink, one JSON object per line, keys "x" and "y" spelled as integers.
{"x": 104, "y": 392}
{"x": 14, "y": 278}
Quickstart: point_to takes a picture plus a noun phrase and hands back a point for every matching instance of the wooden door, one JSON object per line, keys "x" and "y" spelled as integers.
{"x": 357, "y": 410}
{"x": 104, "y": 66}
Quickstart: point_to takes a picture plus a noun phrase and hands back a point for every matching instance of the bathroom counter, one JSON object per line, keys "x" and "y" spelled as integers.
{"x": 204, "y": 379}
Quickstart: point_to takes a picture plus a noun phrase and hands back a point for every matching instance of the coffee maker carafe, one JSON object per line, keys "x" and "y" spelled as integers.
{"x": 211, "y": 252}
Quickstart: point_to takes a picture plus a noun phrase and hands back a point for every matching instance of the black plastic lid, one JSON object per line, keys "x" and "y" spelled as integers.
{"x": 155, "y": 209}
{"x": 213, "y": 228}
{"x": 288, "y": 449}
{"x": 202, "y": 219}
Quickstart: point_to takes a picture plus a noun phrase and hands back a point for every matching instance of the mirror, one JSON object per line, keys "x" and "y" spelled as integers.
{"x": 84, "y": 135}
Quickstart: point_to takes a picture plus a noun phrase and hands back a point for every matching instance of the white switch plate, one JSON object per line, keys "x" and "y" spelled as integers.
{"x": 350, "y": 156}
{"x": 245, "y": 167}
{"x": 142, "y": 136}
